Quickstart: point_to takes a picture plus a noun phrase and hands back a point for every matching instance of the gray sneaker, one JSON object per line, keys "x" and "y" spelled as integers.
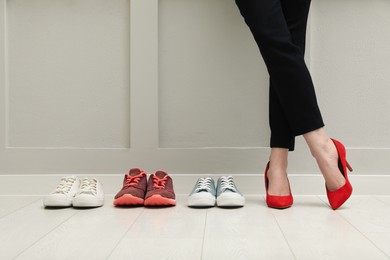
{"x": 228, "y": 194}
{"x": 203, "y": 194}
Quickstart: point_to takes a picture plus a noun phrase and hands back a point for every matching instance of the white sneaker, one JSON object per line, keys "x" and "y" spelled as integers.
{"x": 90, "y": 194}
{"x": 227, "y": 193}
{"x": 63, "y": 195}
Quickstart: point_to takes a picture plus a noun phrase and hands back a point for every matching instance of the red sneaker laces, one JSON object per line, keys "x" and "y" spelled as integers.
{"x": 159, "y": 183}
{"x": 133, "y": 180}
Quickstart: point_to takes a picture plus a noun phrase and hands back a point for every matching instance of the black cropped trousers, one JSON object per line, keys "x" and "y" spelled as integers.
{"x": 279, "y": 29}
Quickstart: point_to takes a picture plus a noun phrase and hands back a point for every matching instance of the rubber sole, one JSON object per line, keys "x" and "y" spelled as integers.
{"x": 201, "y": 200}
{"x": 158, "y": 200}
{"x": 87, "y": 203}
{"x": 128, "y": 200}
{"x": 230, "y": 201}
{"x": 57, "y": 203}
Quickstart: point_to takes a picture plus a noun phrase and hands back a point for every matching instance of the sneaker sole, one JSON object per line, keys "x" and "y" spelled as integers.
{"x": 231, "y": 201}
{"x": 128, "y": 200}
{"x": 86, "y": 203}
{"x": 158, "y": 200}
{"x": 57, "y": 203}
{"x": 201, "y": 201}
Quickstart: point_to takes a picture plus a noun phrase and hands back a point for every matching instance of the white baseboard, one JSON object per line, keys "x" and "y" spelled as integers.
{"x": 183, "y": 183}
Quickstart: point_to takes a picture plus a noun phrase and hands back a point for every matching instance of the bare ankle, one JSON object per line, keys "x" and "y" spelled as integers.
{"x": 322, "y": 149}
{"x": 278, "y": 158}
{"x": 318, "y": 142}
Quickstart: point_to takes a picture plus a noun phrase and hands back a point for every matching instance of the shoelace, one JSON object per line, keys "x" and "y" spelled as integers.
{"x": 88, "y": 186}
{"x": 227, "y": 184}
{"x": 204, "y": 184}
{"x": 159, "y": 183}
{"x": 65, "y": 185}
{"x": 133, "y": 180}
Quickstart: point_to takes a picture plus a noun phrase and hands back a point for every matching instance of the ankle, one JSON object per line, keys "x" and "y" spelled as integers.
{"x": 278, "y": 166}
{"x": 319, "y": 143}
{"x": 278, "y": 173}
{"x": 278, "y": 158}
{"x": 277, "y": 182}
{"x": 322, "y": 149}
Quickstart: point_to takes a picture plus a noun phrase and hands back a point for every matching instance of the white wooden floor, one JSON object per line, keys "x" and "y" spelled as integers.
{"x": 308, "y": 230}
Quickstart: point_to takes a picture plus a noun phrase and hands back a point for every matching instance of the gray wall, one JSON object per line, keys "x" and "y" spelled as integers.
{"x": 101, "y": 86}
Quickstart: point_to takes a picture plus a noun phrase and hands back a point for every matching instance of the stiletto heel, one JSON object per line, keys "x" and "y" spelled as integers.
{"x": 338, "y": 197}
{"x": 278, "y": 202}
{"x": 349, "y": 166}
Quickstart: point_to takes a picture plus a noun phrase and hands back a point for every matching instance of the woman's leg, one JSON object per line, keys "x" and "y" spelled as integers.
{"x": 322, "y": 148}
{"x": 296, "y": 13}
{"x": 282, "y": 136}
{"x": 277, "y": 26}
{"x": 291, "y": 80}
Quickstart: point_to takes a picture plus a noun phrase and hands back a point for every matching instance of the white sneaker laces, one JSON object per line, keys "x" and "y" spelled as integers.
{"x": 65, "y": 185}
{"x": 204, "y": 184}
{"x": 227, "y": 184}
{"x": 88, "y": 186}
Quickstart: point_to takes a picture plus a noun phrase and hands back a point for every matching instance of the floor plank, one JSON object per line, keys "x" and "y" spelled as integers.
{"x": 9, "y": 204}
{"x": 164, "y": 233}
{"x": 250, "y": 232}
{"x": 314, "y": 231}
{"x": 90, "y": 234}
{"x": 24, "y": 227}
{"x": 308, "y": 230}
{"x": 371, "y": 217}
{"x": 384, "y": 199}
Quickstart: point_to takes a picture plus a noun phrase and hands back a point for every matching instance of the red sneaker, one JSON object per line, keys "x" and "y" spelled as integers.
{"x": 160, "y": 190}
{"x": 133, "y": 190}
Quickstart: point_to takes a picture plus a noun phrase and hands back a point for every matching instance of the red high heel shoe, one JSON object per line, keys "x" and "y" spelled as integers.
{"x": 338, "y": 197}
{"x": 278, "y": 202}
